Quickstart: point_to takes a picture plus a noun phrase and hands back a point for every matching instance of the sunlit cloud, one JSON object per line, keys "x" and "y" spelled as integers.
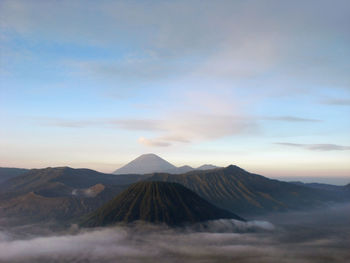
{"x": 153, "y": 142}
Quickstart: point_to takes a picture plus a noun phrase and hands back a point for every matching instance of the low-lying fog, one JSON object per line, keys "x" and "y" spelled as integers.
{"x": 317, "y": 236}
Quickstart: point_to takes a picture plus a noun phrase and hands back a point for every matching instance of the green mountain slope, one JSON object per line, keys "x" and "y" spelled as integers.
{"x": 156, "y": 202}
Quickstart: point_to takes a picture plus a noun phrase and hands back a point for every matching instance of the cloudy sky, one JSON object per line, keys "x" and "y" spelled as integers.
{"x": 261, "y": 84}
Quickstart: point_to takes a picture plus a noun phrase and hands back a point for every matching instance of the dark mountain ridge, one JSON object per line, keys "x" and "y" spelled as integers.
{"x": 233, "y": 188}
{"x": 156, "y": 202}
{"x": 65, "y": 193}
{"x": 59, "y": 178}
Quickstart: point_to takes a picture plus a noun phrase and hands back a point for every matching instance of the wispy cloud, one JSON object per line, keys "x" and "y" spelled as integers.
{"x": 153, "y": 142}
{"x": 142, "y": 69}
{"x": 337, "y": 102}
{"x": 137, "y": 124}
{"x": 290, "y": 119}
{"x": 126, "y": 124}
{"x": 244, "y": 45}
{"x": 65, "y": 123}
{"x": 317, "y": 147}
{"x": 178, "y": 127}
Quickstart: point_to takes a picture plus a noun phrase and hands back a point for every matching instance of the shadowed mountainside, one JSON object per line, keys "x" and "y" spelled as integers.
{"x": 156, "y": 202}
{"x": 8, "y": 173}
{"x": 237, "y": 190}
{"x": 64, "y": 193}
{"x": 62, "y": 180}
{"x": 60, "y": 193}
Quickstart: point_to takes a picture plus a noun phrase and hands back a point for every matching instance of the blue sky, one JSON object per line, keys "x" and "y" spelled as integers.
{"x": 261, "y": 84}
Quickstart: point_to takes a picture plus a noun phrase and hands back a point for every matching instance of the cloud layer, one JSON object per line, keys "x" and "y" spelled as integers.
{"x": 301, "y": 238}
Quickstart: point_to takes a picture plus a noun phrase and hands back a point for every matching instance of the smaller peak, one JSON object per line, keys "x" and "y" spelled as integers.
{"x": 207, "y": 167}
{"x": 62, "y": 167}
{"x": 185, "y": 166}
{"x": 57, "y": 168}
{"x": 234, "y": 167}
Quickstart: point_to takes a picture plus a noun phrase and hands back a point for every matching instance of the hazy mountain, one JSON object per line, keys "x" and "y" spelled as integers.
{"x": 156, "y": 202}
{"x": 207, "y": 167}
{"x": 235, "y": 189}
{"x": 151, "y": 163}
{"x": 8, "y": 173}
{"x": 145, "y": 164}
{"x": 183, "y": 169}
{"x": 330, "y": 187}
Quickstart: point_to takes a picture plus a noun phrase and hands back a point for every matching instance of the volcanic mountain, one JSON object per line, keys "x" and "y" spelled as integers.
{"x": 146, "y": 163}
{"x": 151, "y": 163}
{"x": 63, "y": 193}
{"x": 233, "y": 188}
{"x": 156, "y": 202}
{"x": 59, "y": 193}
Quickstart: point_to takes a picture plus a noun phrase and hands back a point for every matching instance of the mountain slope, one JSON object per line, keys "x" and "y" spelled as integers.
{"x": 60, "y": 193}
{"x": 156, "y": 202}
{"x": 61, "y": 179}
{"x": 235, "y": 189}
{"x": 8, "y": 173}
{"x": 35, "y": 207}
{"x": 145, "y": 164}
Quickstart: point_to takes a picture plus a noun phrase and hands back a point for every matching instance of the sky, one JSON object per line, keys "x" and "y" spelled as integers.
{"x": 261, "y": 84}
